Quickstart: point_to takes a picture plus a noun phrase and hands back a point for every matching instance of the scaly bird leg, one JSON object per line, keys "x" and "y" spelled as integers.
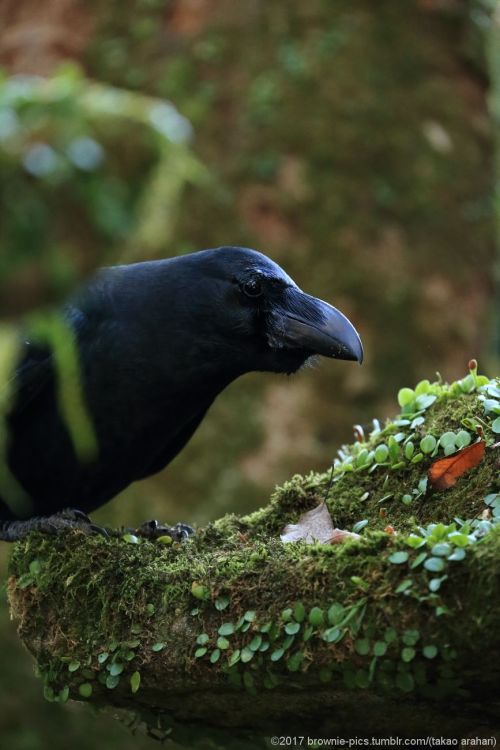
{"x": 70, "y": 518}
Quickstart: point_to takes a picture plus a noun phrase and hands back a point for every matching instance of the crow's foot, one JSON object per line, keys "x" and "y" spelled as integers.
{"x": 153, "y": 530}
{"x": 67, "y": 519}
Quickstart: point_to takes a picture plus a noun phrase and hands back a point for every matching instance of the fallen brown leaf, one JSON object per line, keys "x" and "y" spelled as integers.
{"x": 315, "y": 526}
{"x": 445, "y": 472}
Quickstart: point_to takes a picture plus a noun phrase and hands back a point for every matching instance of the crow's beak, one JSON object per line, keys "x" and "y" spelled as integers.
{"x": 318, "y": 327}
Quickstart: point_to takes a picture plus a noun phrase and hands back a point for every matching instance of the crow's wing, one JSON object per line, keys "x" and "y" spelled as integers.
{"x": 33, "y": 376}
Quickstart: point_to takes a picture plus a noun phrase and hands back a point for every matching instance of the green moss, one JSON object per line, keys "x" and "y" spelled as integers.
{"x": 378, "y": 613}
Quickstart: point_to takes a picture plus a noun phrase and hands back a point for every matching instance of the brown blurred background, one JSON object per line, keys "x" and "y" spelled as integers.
{"x": 350, "y": 141}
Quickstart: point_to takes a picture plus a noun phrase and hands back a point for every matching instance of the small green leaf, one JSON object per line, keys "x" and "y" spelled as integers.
{"x": 424, "y": 401}
{"x": 73, "y": 665}
{"x": 404, "y": 586}
{"x": 434, "y": 564}
{"x": 291, "y": 628}
{"x": 227, "y": 628}
{"x": 221, "y": 603}
{"x": 429, "y": 652}
{"x": 48, "y": 693}
{"x": 222, "y": 643}
{"x": 130, "y": 538}
{"x": 316, "y": 616}
{"x": 418, "y": 560}
{"x": 85, "y": 690}
{"x": 299, "y": 612}
{"x": 112, "y": 681}
{"x": 462, "y": 439}
{"x": 247, "y": 654}
{"x": 390, "y": 635}
{"x": 413, "y": 540}
{"x": 255, "y": 643}
{"x": 408, "y": 654}
{"x": 398, "y": 558}
{"x": 360, "y": 582}
{"x": 335, "y": 613}
{"x": 199, "y": 591}
{"x": 164, "y": 539}
{"x": 135, "y": 681}
{"x": 308, "y": 631}
{"x": 379, "y": 648}
{"x": 102, "y": 657}
{"x": 458, "y": 554}
{"x": 435, "y": 583}
{"x": 115, "y": 669}
{"x": 495, "y": 426}
{"x": 460, "y": 540}
{"x": 249, "y": 616}
{"x": 215, "y": 656}
{"x": 410, "y": 637}
{"x": 150, "y": 609}
{"x": 381, "y": 453}
{"x": 63, "y": 694}
{"x": 287, "y": 614}
{"x": 359, "y": 525}
{"x": 332, "y": 635}
{"x": 158, "y": 646}
{"x": 234, "y": 658}
{"x": 409, "y": 450}
{"x": 277, "y": 654}
{"x": 362, "y": 646}
{"x": 35, "y": 567}
{"x": 294, "y": 662}
{"x": 203, "y": 639}
{"x": 200, "y": 652}
{"x": 422, "y": 387}
{"x": 442, "y": 549}
{"x": 405, "y": 396}
{"x": 447, "y": 439}
{"x": 428, "y": 443}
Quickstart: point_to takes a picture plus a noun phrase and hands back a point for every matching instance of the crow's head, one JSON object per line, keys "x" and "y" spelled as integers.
{"x": 267, "y": 322}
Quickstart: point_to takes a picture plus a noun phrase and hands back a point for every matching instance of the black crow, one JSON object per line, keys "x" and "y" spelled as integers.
{"x": 157, "y": 342}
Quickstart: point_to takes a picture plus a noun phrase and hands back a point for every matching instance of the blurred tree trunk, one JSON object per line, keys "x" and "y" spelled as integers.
{"x": 35, "y": 37}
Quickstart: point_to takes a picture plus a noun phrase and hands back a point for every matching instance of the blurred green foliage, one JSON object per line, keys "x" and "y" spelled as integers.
{"x": 77, "y": 164}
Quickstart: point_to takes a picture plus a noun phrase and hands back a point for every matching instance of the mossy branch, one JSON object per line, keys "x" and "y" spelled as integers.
{"x": 234, "y": 634}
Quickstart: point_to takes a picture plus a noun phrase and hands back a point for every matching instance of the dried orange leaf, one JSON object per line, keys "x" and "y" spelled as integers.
{"x": 445, "y": 472}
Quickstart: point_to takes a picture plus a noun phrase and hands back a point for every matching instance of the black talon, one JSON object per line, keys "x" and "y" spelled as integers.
{"x": 70, "y": 518}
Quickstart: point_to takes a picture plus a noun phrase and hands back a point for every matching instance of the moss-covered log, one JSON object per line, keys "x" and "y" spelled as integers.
{"x": 235, "y": 634}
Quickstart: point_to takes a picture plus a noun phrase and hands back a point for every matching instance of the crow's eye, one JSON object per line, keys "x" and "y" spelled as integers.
{"x": 253, "y": 288}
